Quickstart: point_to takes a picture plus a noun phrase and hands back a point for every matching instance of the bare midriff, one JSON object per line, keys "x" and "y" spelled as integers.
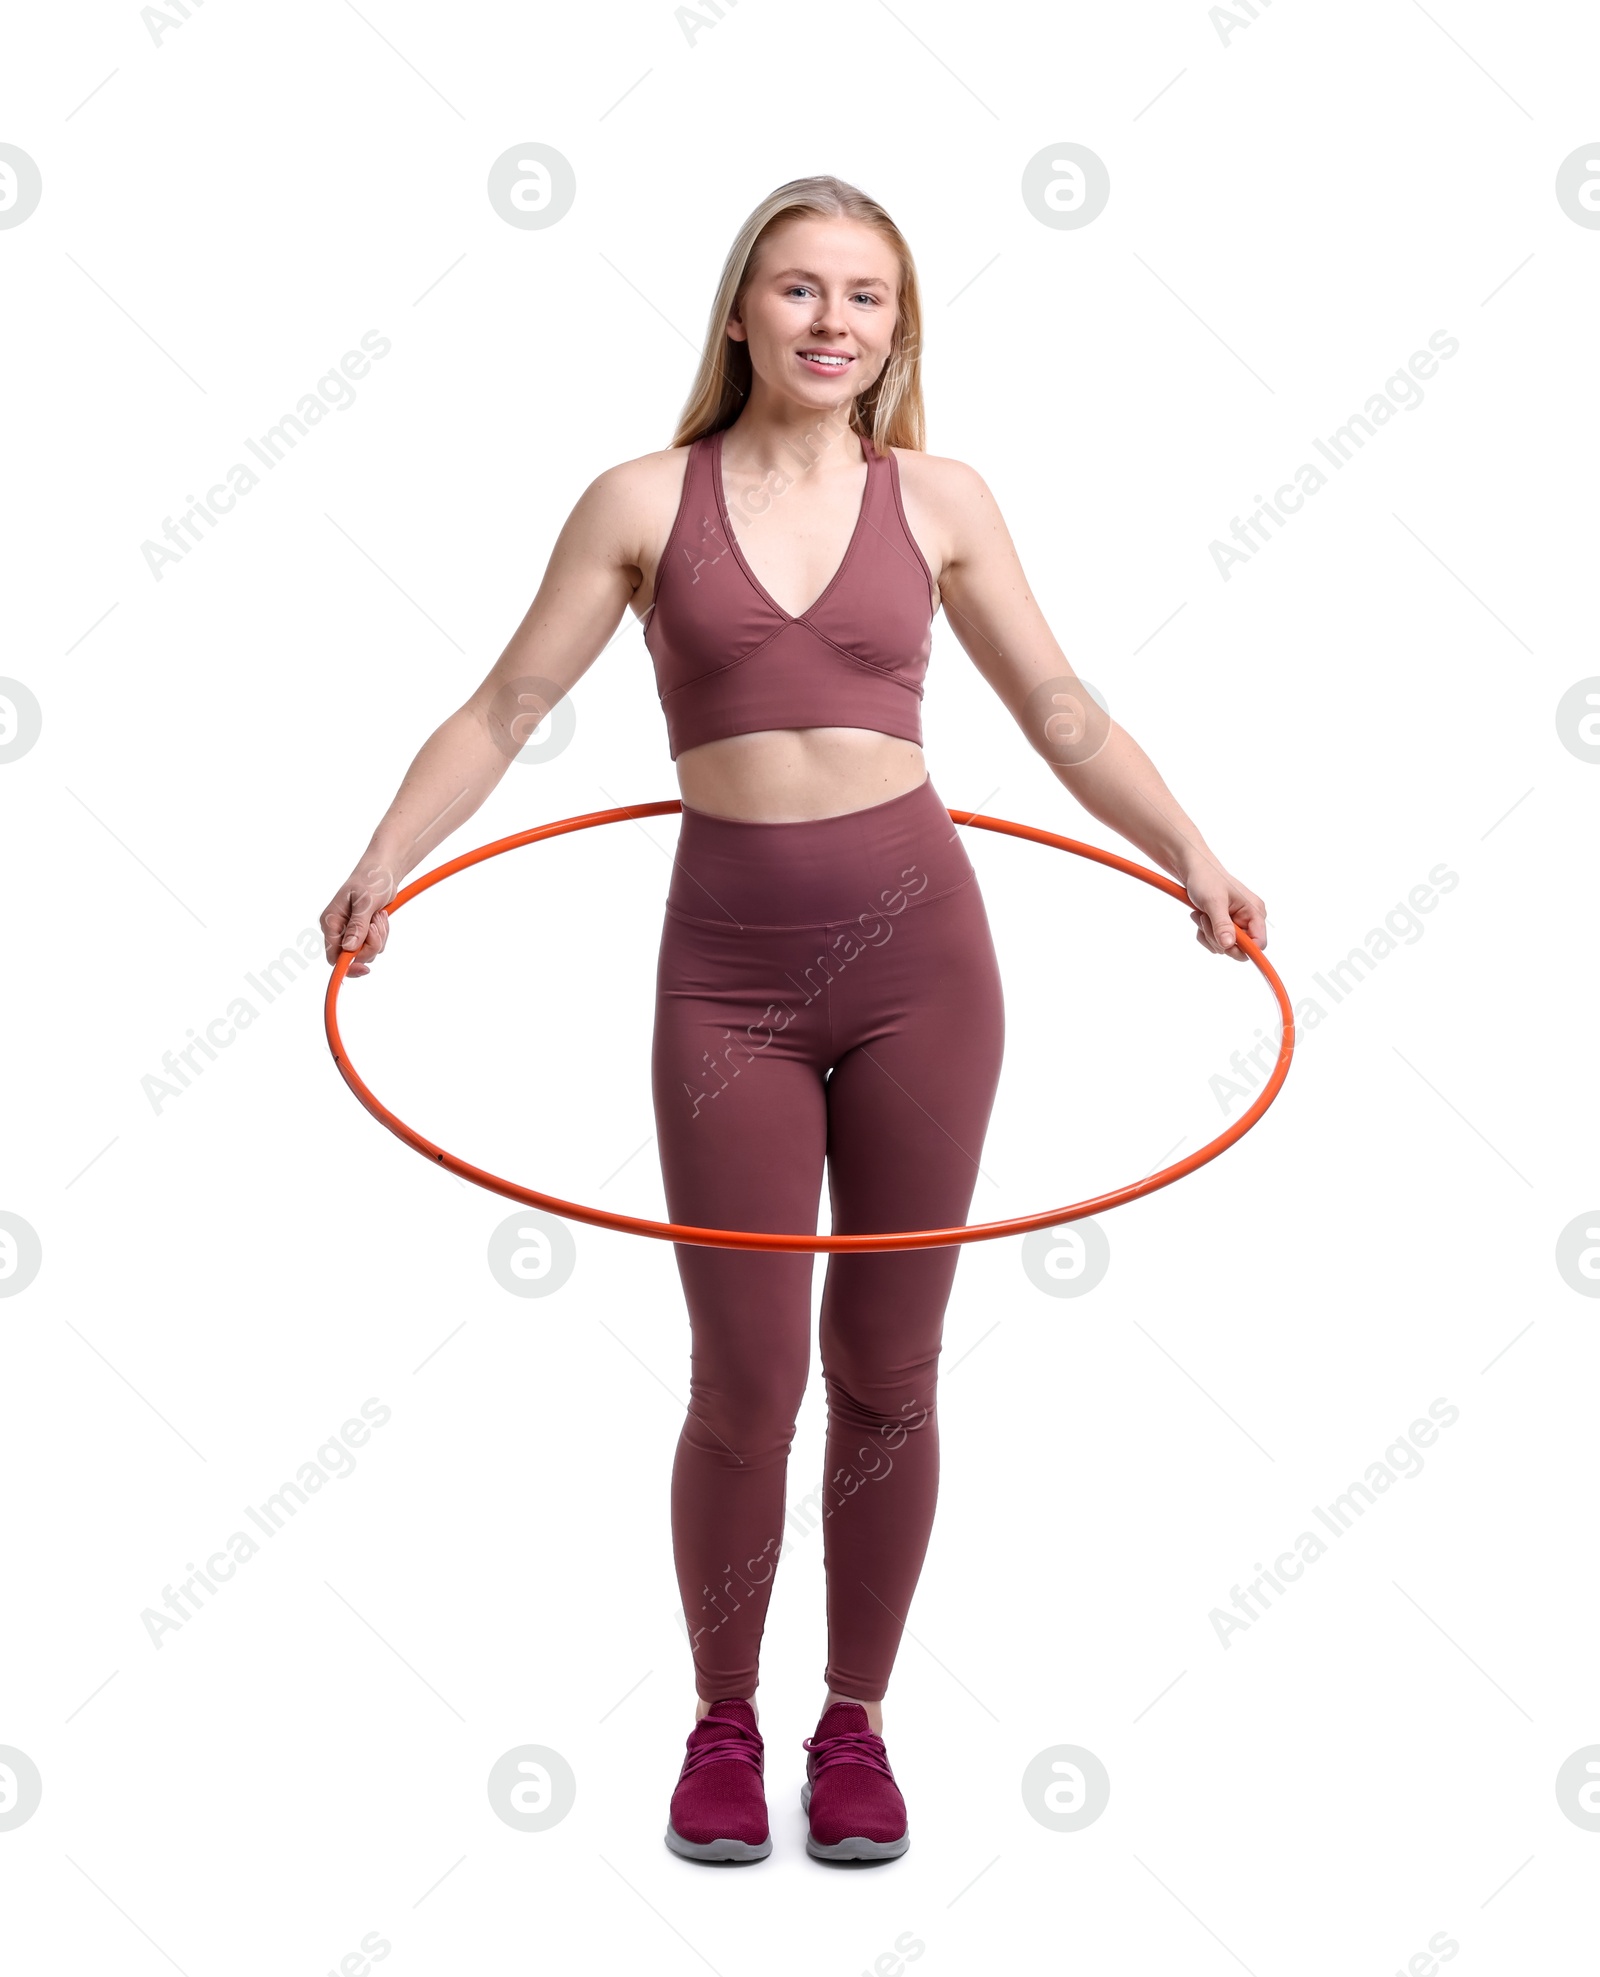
{"x": 796, "y": 775}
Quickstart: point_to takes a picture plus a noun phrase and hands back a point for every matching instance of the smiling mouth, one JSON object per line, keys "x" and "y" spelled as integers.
{"x": 830, "y": 361}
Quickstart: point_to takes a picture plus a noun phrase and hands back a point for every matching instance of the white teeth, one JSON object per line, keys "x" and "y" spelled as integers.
{"x": 815, "y": 357}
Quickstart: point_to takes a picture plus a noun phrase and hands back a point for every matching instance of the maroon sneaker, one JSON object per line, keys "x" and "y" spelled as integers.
{"x": 850, "y": 1798}
{"x": 719, "y": 1810}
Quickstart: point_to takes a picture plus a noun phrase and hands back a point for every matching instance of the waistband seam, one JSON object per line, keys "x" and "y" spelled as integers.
{"x": 798, "y": 926}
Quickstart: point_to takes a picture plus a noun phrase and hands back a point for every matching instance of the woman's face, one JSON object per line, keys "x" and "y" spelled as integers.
{"x": 821, "y": 289}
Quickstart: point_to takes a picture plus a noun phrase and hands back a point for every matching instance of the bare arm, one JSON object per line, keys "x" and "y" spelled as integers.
{"x": 592, "y": 572}
{"x": 994, "y": 615}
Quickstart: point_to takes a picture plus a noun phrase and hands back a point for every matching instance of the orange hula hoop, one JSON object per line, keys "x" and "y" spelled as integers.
{"x": 634, "y": 1225}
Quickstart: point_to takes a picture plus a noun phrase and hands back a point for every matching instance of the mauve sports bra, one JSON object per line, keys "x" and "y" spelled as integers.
{"x": 729, "y": 660}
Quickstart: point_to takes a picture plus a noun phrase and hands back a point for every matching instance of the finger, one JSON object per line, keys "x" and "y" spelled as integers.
{"x": 333, "y": 924}
{"x": 1219, "y": 926}
{"x": 355, "y": 932}
{"x": 376, "y": 941}
{"x": 1235, "y": 920}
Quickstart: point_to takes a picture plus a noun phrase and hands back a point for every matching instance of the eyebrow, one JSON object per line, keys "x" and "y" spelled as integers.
{"x": 855, "y": 281}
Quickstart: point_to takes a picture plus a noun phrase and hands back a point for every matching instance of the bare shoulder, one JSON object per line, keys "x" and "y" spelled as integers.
{"x": 626, "y": 511}
{"x": 634, "y": 491}
{"x": 939, "y": 480}
{"x": 630, "y": 479}
{"x": 953, "y": 498}
{"x": 949, "y": 507}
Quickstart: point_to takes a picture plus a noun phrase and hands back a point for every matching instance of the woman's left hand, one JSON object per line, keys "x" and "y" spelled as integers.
{"x": 1219, "y": 904}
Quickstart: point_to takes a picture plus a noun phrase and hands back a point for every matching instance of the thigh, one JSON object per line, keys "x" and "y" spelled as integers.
{"x": 908, "y": 1108}
{"x": 923, "y": 1024}
{"x": 737, "y": 1066}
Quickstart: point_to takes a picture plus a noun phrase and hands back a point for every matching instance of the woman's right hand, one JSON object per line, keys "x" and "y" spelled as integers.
{"x": 354, "y": 919}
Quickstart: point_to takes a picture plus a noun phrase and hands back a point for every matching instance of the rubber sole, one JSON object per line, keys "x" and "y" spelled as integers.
{"x": 728, "y": 1850}
{"x": 853, "y": 1847}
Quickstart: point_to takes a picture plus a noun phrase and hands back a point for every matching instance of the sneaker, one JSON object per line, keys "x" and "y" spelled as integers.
{"x": 850, "y": 1799}
{"x": 719, "y": 1810}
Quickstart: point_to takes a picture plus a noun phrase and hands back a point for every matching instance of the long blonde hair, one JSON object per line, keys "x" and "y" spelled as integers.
{"x": 889, "y": 411}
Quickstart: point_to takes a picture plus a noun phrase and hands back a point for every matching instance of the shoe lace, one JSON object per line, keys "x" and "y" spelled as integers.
{"x": 864, "y": 1747}
{"x": 743, "y": 1747}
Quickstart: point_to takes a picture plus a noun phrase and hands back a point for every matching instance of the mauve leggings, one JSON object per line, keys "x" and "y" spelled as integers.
{"x": 825, "y": 990}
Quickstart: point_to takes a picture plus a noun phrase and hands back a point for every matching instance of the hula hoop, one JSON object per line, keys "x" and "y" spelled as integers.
{"x": 634, "y": 1225}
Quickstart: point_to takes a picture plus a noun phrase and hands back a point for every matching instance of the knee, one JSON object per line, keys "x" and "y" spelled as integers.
{"x": 891, "y": 1410}
{"x": 751, "y": 1419}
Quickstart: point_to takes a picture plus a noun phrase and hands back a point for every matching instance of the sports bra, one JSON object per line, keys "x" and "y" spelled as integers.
{"x": 729, "y": 660}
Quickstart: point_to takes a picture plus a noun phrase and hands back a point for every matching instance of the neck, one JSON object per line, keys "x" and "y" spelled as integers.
{"x": 793, "y": 438}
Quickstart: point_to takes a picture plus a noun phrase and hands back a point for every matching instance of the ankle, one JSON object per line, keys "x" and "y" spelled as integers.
{"x": 702, "y": 1705}
{"x": 874, "y": 1709}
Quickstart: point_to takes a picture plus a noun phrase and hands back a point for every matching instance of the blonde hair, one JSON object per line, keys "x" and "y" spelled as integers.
{"x": 889, "y": 412}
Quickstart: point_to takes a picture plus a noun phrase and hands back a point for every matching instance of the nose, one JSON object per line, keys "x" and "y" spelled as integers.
{"x": 829, "y": 319}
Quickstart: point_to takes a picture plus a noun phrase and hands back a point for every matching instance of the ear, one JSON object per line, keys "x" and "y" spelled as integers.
{"x": 737, "y": 333}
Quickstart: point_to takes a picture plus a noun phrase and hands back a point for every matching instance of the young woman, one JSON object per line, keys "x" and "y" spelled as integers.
{"x": 827, "y": 996}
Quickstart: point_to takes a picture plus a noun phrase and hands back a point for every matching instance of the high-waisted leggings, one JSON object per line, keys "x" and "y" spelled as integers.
{"x": 827, "y": 991}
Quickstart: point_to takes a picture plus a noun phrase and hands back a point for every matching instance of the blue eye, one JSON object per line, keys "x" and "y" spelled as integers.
{"x": 804, "y": 288}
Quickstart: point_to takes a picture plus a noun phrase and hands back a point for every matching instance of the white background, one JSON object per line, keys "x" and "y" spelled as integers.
{"x": 1294, "y": 210}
